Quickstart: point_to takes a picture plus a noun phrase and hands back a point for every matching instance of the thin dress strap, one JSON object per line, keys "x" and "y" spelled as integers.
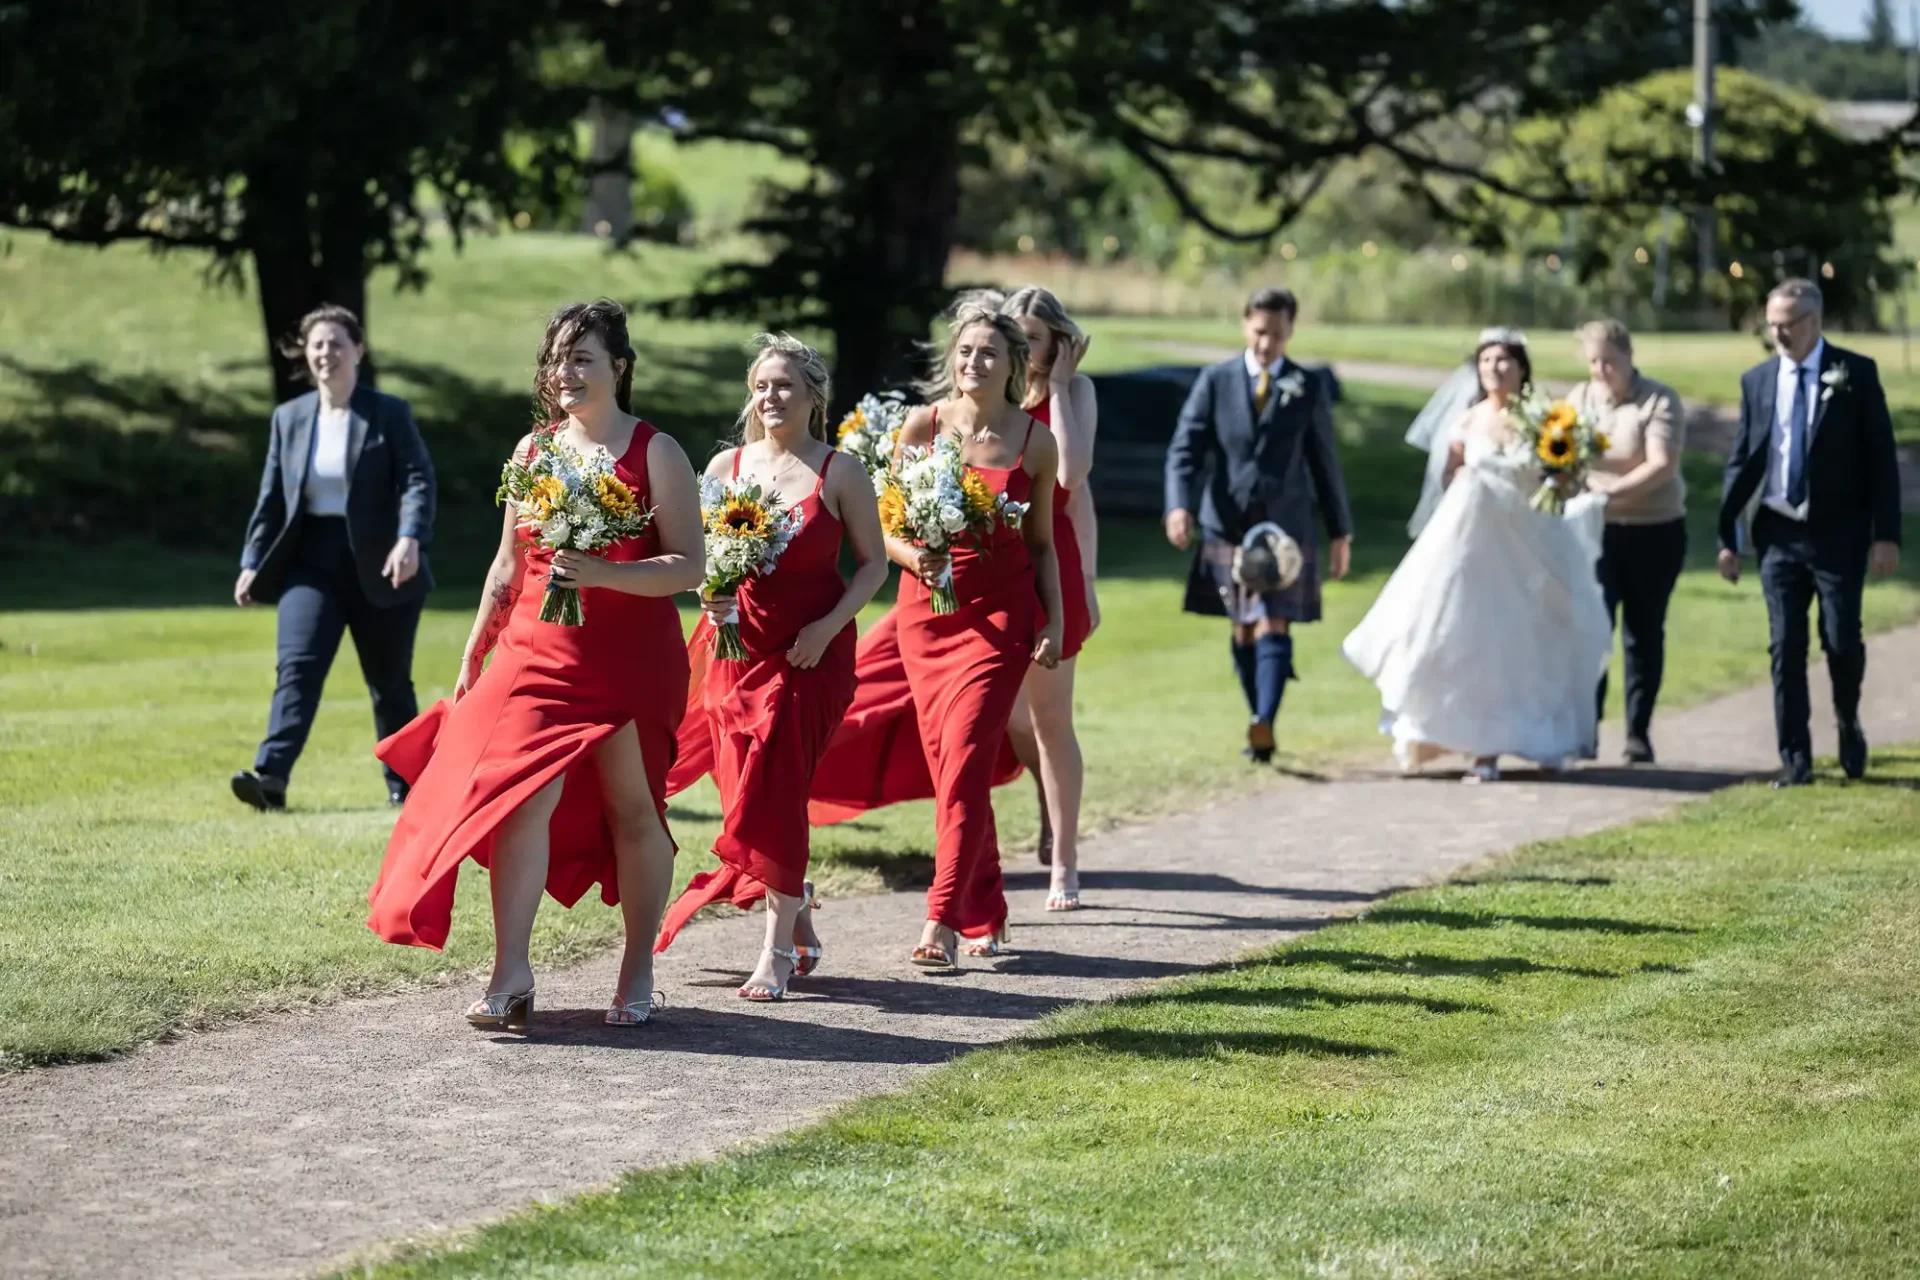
{"x": 736, "y": 461}
{"x": 1021, "y": 461}
{"x": 822, "y": 484}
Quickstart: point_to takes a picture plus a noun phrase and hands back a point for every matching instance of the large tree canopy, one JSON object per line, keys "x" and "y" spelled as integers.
{"x": 300, "y": 137}
{"x": 883, "y": 100}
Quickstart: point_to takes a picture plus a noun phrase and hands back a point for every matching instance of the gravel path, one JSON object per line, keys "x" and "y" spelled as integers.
{"x": 282, "y": 1146}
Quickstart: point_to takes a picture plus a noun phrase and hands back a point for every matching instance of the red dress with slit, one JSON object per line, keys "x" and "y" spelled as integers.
{"x": 767, "y": 723}
{"x": 965, "y": 670}
{"x": 549, "y": 697}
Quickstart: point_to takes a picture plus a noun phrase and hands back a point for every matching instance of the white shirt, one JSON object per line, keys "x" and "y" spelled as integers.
{"x": 1253, "y": 367}
{"x": 325, "y": 492}
{"x": 1773, "y": 492}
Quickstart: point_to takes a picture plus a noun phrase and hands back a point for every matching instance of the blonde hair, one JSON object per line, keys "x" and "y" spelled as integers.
{"x": 1609, "y": 332}
{"x": 980, "y": 307}
{"x": 813, "y": 374}
{"x": 1042, "y": 305}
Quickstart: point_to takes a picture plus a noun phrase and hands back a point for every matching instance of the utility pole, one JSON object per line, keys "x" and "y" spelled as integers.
{"x": 1700, "y": 116}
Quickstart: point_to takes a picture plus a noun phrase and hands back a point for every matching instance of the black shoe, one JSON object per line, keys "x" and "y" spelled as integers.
{"x": 397, "y": 793}
{"x": 1639, "y": 750}
{"x": 262, "y": 792}
{"x": 1798, "y": 773}
{"x": 1853, "y": 749}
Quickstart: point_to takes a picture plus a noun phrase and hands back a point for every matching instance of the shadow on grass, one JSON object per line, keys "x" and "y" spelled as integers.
{"x": 1182, "y": 1044}
{"x": 1426, "y": 965}
{"x": 1494, "y": 919}
{"x": 899, "y": 872}
{"x": 1320, "y": 998}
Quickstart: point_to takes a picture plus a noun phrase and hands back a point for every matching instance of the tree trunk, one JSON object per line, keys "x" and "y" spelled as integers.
{"x": 607, "y": 210}
{"x": 306, "y": 251}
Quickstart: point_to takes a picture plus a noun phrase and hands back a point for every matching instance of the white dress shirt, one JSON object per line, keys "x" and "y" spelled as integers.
{"x": 325, "y": 492}
{"x": 1773, "y": 492}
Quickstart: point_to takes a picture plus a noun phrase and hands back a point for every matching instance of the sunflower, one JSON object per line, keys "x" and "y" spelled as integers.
{"x": 743, "y": 517}
{"x": 1561, "y": 416}
{"x": 973, "y": 486}
{"x": 1556, "y": 448}
{"x": 893, "y": 512}
{"x": 1602, "y": 442}
{"x": 616, "y": 499}
{"x": 855, "y": 421}
{"x": 546, "y": 495}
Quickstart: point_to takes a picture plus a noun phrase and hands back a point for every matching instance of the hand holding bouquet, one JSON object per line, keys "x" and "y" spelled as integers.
{"x": 746, "y": 530}
{"x": 1565, "y": 441}
{"x": 870, "y": 432}
{"x": 568, "y": 501}
{"x": 933, "y": 499}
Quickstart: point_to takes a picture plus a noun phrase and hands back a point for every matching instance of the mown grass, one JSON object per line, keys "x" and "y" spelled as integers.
{"x": 1686, "y": 1048}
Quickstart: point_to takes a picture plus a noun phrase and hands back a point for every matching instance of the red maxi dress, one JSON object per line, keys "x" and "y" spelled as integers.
{"x": 767, "y": 723}
{"x": 548, "y": 698}
{"x": 965, "y": 670}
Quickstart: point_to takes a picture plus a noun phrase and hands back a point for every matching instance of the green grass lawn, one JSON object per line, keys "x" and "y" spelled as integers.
{"x": 1687, "y": 1048}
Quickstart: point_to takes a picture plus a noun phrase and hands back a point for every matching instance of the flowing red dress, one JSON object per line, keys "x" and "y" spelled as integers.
{"x": 1076, "y": 622}
{"x": 767, "y": 723}
{"x": 548, "y": 698}
{"x": 965, "y": 670}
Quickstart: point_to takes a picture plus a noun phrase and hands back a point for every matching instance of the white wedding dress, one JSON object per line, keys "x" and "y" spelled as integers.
{"x": 1489, "y": 638}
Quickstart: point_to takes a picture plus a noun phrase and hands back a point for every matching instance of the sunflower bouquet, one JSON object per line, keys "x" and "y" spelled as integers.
{"x": 871, "y": 430}
{"x": 1564, "y": 441}
{"x": 933, "y": 499}
{"x": 747, "y": 528}
{"x": 568, "y": 500}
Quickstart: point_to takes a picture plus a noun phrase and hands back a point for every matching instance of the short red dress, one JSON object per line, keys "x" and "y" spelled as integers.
{"x": 965, "y": 670}
{"x": 767, "y": 723}
{"x": 548, "y": 698}
{"x": 1076, "y": 623}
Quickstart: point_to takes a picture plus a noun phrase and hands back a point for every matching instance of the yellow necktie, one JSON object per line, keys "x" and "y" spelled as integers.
{"x": 1262, "y": 388}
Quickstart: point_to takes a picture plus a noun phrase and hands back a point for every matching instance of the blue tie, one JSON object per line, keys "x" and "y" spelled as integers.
{"x": 1797, "y": 441}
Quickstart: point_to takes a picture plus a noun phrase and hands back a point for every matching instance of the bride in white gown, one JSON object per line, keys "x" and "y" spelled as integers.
{"x": 1488, "y": 638}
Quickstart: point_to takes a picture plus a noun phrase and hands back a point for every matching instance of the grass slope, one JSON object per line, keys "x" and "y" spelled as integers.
{"x": 1683, "y": 1049}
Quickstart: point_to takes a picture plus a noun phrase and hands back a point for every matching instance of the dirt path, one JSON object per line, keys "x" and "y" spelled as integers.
{"x": 280, "y": 1146}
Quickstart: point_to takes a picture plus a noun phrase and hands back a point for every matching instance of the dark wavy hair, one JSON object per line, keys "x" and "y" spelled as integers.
{"x": 1517, "y": 351}
{"x": 294, "y": 345}
{"x": 603, "y": 318}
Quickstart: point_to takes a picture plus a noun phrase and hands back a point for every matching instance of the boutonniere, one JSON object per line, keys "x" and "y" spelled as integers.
{"x": 1294, "y": 383}
{"x": 1832, "y": 380}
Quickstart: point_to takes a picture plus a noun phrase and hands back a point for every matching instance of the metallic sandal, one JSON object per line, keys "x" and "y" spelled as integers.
{"x": 809, "y": 958}
{"x": 997, "y": 943}
{"x": 759, "y": 994}
{"x": 503, "y": 1011}
{"x": 635, "y": 1013}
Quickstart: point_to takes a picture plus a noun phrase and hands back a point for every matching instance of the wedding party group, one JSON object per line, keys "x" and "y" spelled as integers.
{"x": 580, "y": 705}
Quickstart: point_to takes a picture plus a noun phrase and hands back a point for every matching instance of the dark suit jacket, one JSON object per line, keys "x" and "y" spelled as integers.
{"x": 1282, "y": 466}
{"x": 389, "y": 494}
{"x": 1853, "y": 473}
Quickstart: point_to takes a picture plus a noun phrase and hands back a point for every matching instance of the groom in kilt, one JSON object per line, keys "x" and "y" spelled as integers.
{"x": 1255, "y": 444}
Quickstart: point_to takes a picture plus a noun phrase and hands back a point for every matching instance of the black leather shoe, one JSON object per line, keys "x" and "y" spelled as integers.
{"x": 1639, "y": 751}
{"x": 1853, "y": 749}
{"x": 397, "y": 793}
{"x": 262, "y": 792}
{"x": 1798, "y": 773}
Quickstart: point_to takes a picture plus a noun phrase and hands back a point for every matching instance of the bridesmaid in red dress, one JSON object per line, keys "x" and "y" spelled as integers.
{"x": 966, "y": 668}
{"x": 768, "y": 719}
{"x": 1041, "y": 730}
{"x": 549, "y": 766}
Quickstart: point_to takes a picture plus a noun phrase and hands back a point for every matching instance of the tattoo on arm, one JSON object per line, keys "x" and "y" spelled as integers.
{"x": 500, "y": 604}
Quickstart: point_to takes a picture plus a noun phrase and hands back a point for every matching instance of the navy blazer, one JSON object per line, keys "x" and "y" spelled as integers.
{"x": 1281, "y": 466}
{"x": 390, "y": 494}
{"x": 1853, "y": 471}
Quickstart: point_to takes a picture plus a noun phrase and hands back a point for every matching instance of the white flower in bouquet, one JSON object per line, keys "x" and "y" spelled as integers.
{"x": 871, "y": 430}
{"x": 1565, "y": 441}
{"x": 567, "y": 501}
{"x": 747, "y": 529}
{"x": 932, "y": 498}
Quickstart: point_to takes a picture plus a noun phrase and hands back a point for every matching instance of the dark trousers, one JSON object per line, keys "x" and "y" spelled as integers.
{"x": 1639, "y": 565}
{"x": 1795, "y": 570}
{"x": 321, "y": 599}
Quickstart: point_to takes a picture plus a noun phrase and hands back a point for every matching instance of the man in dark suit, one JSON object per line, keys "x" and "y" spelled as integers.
{"x": 1257, "y": 433}
{"x": 1815, "y": 464}
{"x": 338, "y": 540}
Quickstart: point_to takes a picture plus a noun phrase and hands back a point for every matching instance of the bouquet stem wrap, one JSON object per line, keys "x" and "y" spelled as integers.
{"x": 727, "y": 645}
{"x": 944, "y": 601}
{"x": 562, "y": 605}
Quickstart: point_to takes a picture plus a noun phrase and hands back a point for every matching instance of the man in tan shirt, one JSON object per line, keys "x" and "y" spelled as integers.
{"x": 1646, "y": 537}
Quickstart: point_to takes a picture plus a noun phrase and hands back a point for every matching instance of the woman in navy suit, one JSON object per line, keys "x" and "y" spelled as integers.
{"x": 338, "y": 539}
